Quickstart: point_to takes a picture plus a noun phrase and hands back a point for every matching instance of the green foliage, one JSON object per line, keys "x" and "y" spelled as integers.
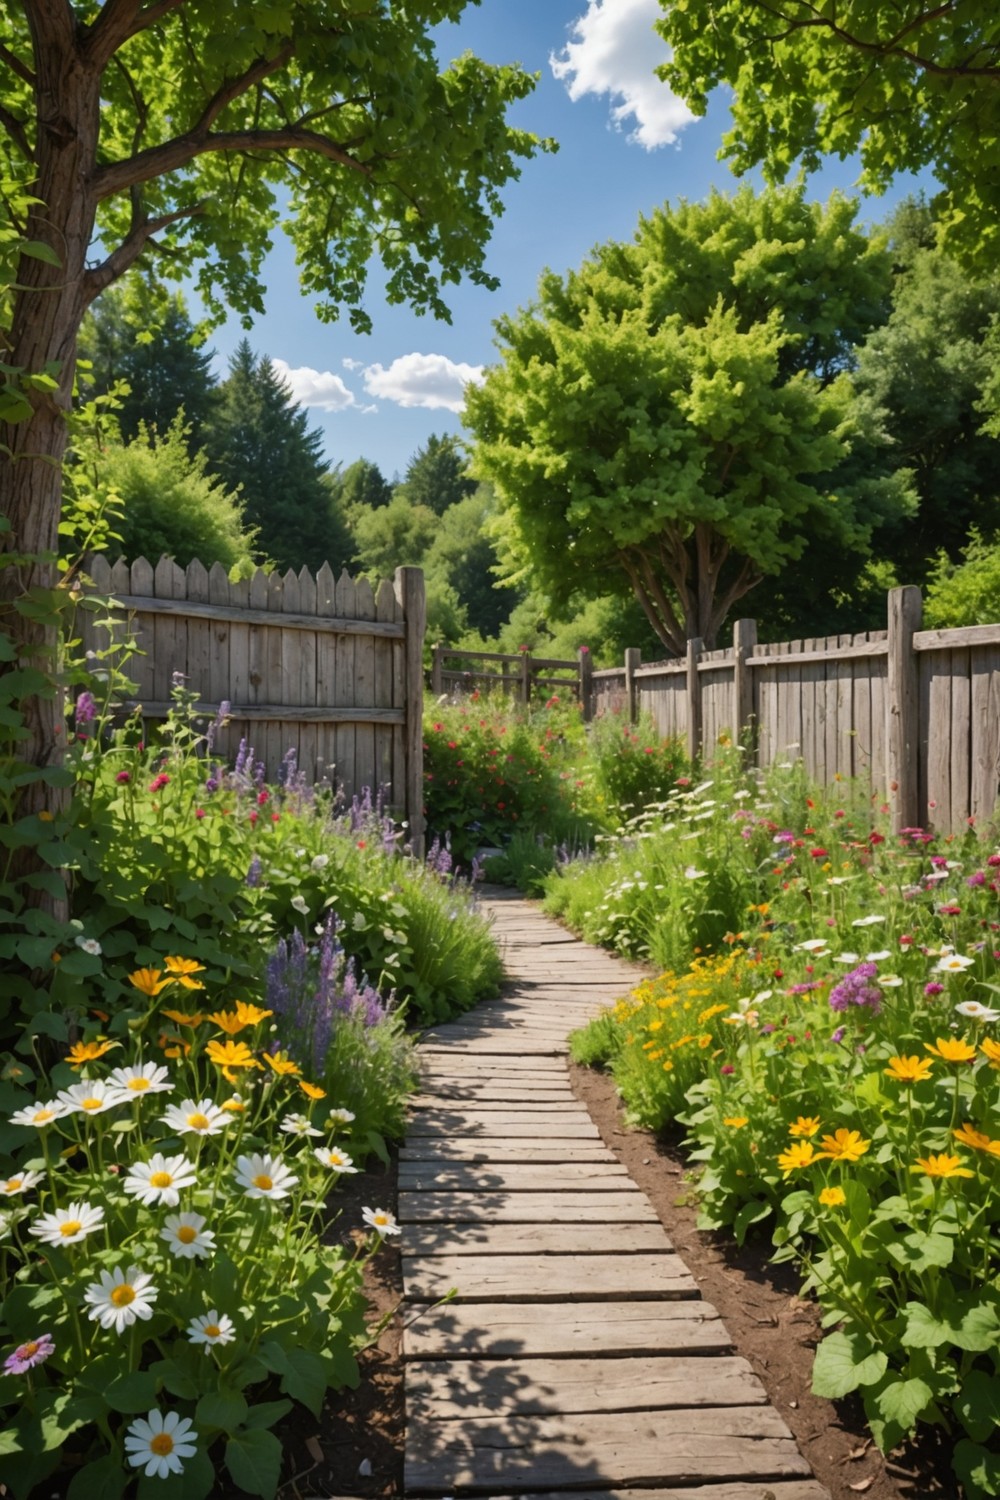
{"x": 392, "y": 536}
{"x": 462, "y": 557}
{"x": 436, "y": 476}
{"x": 833, "y": 1060}
{"x": 260, "y": 444}
{"x": 171, "y": 504}
{"x": 966, "y": 592}
{"x": 361, "y": 483}
{"x": 632, "y": 765}
{"x": 671, "y": 416}
{"x": 909, "y": 87}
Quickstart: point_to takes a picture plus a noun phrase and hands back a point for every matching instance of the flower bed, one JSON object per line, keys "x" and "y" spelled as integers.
{"x": 833, "y": 1057}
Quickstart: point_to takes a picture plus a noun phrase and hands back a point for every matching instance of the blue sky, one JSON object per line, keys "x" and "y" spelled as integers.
{"x": 625, "y": 146}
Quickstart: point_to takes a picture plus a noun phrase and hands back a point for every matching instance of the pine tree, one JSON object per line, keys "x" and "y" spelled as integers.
{"x": 260, "y": 440}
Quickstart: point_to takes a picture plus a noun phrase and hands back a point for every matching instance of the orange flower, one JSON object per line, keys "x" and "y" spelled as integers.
{"x": 991, "y": 1049}
{"x": 181, "y": 970}
{"x": 84, "y": 1052}
{"x": 251, "y": 1014}
{"x": 844, "y": 1145}
{"x": 231, "y": 1055}
{"x": 942, "y": 1165}
{"x": 182, "y": 1018}
{"x": 801, "y": 1154}
{"x": 832, "y": 1197}
{"x": 311, "y": 1091}
{"x": 951, "y": 1049}
{"x": 805, "y": 1125}
{"x": 281, "y": 1064}
{"x": 970, "y": 1136}
{"x": 736, "y": 1122}
{"x": 909, "y": 1069}
{"x": 227, "y": 1021}
{"x": 149, "y": 981}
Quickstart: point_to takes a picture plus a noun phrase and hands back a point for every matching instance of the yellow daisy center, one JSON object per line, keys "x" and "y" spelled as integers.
{"x": 162, "y": 1444}
{"x": 263, "y": 1182}
{"x": 212, "y": 1330}
{"x": 138, "y": 1084}
{"x": 13, "y": 1184}
{"x": 70, "y": 1227}
{"x": 91, "y": 1103}
{"x": 41, "y": 1115}
{"x": 198, "y": 1121}
{"x": 27, "y": 1350}
{"x": 123, "y": 1295}
{"x": 187, "y": 1235}
{"x": 160, "y": 1179}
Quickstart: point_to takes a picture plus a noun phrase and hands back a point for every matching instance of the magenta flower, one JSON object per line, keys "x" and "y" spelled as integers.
{"x": 123, "y": 777}
{"x": 26, "y": 1356}
{"x": 158, "y": 782}
{"x": 933, "y": 989}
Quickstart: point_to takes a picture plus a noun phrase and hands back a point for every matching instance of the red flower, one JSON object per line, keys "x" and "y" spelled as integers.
{"x": 199, "y": 812}
{"x": 253, "y": 819}
{"x": 158, "y": 782}
{"x": 263, "y": 798}
{"x": 818, "y": 854}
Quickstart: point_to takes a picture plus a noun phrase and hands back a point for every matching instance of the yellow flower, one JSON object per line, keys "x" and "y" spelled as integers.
{"x": 227, "y": 1021}
{"x": 801, "y": 1154}
{"x": 181, "y": 1018}
{"x": 231, "y": 1055}
{"x": 149, "y": 981}
{"x": 251, "y": 1014}
{"x": 181, "y": 969}
{"x": 970, "y": 1136}
{"x": 84, "y": 1052}
{"x": 805, "y": 1125}
{"x": 235, "y": 1105}
{"x": 736, "y": 1122}
{"x": 991, "y": 1049}
{"x": 311, "y": 1090}
{"x": 668, "y": 1066}
{"x": 711, "y": 1013}
{"x": 844, "y": 1145}
{"x": 832, "y": 1197}
{"x": 941, "y": 1165}
{"x": 909, "y": 1069}
{"x": 951, "y": 1049}
{"x": 281, "y": 1064}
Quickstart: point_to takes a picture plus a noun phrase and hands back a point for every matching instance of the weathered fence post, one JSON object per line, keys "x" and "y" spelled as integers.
{"x": 437, "y": 673}
{"x": 694, "y": 650}
{"x": 744, "y": 641}
{"x": 409, "y": 587}
{"x": 633, "y": 659}
{"x": 586, "y": 683}
{"x": 903, "y": 709}
{"x": 525, "y": 677}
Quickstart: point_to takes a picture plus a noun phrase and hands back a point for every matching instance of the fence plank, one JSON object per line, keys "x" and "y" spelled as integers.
{"x": 984, "y": 723}
{"x": 364, "y": 689}
{"x": 961, "y": 715}
{"x": 219, "y": 672}
{"x": 239, "y": 660}
{"x": 308, "y": 733}
{"x": 169, "y": 630}
{"x": 385, "y": 609}
{"x": 410, "y": 594}
{"x": 199, "y": 638}
{"x": 326, "y": 671}
{"x": 902, "y": 728}
{"x": 346, "y": 599}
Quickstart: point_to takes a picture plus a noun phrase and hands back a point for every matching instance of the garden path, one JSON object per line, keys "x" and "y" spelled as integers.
{"x": 576, "y": 1354}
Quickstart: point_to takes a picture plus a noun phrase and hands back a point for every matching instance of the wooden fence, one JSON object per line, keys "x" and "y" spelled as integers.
{"x": 322, "y": 666}
{"x": 915, "y": 712}
{"x": 518, "y": 673}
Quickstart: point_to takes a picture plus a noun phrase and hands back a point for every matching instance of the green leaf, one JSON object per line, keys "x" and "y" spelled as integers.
{"x": 305, "y": 1378}
{"x": 917, "y": 1252}
{"x": 266, "y": 1413}
{"x": 253, "y": 1459}
{"x": 221, "y": 1408}
{"x": 902, "y": 1401}
{"x": 750, "y": 1213}
{"x": 843, "y": 1363}
{"x": 132, "y": 1393}
{"x": 175, "y": 1380}
{"x": 104, "y": 1477}
{"x": 196, "y": 1481}
{"x": 39, "y": 250}
{"x": 977, "y": 1468}
{"x": 978, "y": 1404}
{"x": 968, "y": 1322}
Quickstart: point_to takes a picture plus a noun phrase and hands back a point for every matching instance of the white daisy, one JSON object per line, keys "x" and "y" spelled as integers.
{"x": 333, "y": 1158}
{"x": 142, "y": 1078}
{"x": 381, "y": 1220}
{"x": 160, "y": 1179}
{"x": 877, "y": 956}
{"x": 187, "y": 1236}
{"x": 846, "y": 958}
{"x": 264, "y": 1176}
{"x": 953, "y": 963}
{"x": 91, "y": 1096}
{"x": 974, "y": 1010}
{"x": 160, "y": 1442}
{"x": 889, "y": 981}
{"x": 320, "y": 862}
{"x": 197, "y": 1118}
{"x": 89, "y": 945}
{"x": 341, "y": 1117}
{"x": 211, "y": 1328}
{"x": 40, "y": 1115}
{"x": 870, "y": 921}
{"x": 298, "y": 1125}
{"x": 19, "y": 1182}
{"x": 301, "y": 905}
{"x": 120, "y": 1297}
{"x": 68, "y": 1225}
{"x": 813, "y": 945}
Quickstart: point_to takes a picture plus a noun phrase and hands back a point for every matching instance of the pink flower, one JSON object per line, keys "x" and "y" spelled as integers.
{"x": 26, "y": 1356}
{"x": 123, "y": 777}
{"x": 158, "y": 782}
{"x": 199, "y": 812}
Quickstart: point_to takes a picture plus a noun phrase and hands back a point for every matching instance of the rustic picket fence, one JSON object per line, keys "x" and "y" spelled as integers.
{"x": 914, "y": 712}
{"x": 323, "y": 666}
{"x": 520, "y": 674}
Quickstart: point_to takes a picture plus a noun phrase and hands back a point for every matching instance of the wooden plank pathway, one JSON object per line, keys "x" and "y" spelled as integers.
{"x": 554, "y": 1343}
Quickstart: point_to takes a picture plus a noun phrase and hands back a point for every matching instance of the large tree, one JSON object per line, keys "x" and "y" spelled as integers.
{"x": 437, "y": 475}
{"x": 675, "y": 413}
{"x": 908, "y": 84}
{"x": 183, "y": 132}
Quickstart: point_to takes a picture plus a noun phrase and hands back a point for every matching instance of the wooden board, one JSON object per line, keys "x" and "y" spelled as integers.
{"x": 440, "y": 1390}
{"x": 497, "y": 1148}
{"x": 623, "y": 1448}
{"x": 535, "y": 1239}
{"x": 550, "y": 1278}
{"x": 740, "y": 1489}
{"x": 571, "y": 1128}
{"x": 541, "y": 1329}
{"x": 525, "y": 1177}
{"x": 527, "y": 1208}
{"x": 493, "y": 1092}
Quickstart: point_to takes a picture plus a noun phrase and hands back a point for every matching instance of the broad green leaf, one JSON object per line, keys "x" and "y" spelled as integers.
{"x": 306, "y": 1379}
{"x": 266, "y": 1413}
{"x": 221, "y": 1408}
{"x": 843, "y": 1363}
{"x": 132, "y": 1393}
{"x": 978, "y": 1404}
{"x": 978, "y": 1469}
{"x": 104, "y": 1477}
{"x": 902, "y": 1401}
{"x": 969, "y": 1322}
{"x": 916, "y": 1252}
{"x": 253, "y": 1459}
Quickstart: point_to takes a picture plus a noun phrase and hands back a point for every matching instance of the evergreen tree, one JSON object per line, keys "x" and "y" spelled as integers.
{"x": 363, "y": 483}
{"x": 260, "y": 441}
{"x": 437, "y": 475}
{"x": 149, "y": 342}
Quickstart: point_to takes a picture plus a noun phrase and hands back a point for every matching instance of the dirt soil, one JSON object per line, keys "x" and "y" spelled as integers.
{"x": 357, "y": 1448}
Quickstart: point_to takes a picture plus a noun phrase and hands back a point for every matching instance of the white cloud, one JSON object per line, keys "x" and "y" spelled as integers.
{"x": 352, "y": 364}
{"x": 430, "y": 380}
{"x": 613, "y": 50}
{"x": 317, "y": 388}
